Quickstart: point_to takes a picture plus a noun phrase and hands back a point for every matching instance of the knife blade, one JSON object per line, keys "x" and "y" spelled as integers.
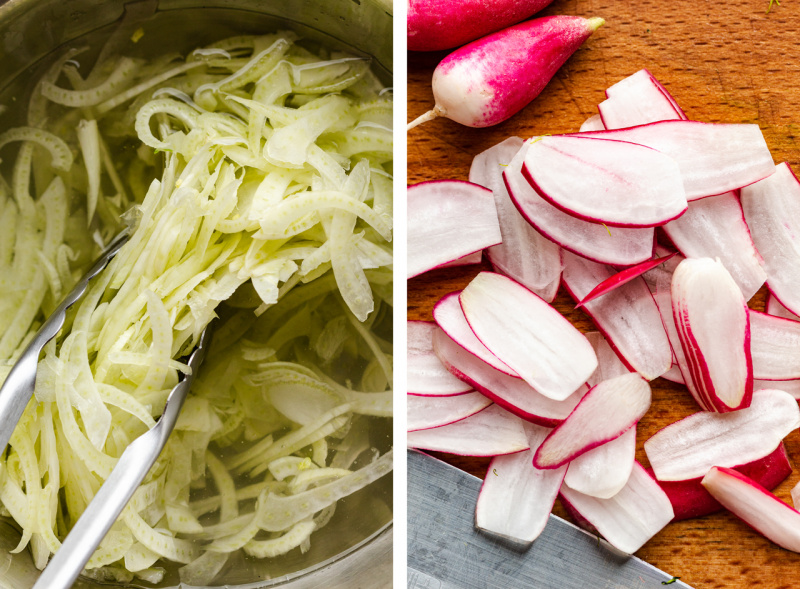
{"x": 446, "y": 551}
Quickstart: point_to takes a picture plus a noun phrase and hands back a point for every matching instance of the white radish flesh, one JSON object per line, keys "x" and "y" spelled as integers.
{"x": 774, "y": 307}
{"x": 593, "y": 123}
{"x": 516, "y": 498}
{"x": 528, "y": 335}
{"x": 513, "y": 394}
{"x": 687, "y": 448}
{"x": 468, "y": 260}
{"x": 447, "y": 220}
{"x": 425, "y": 373}
{"x": 775, "y": 347}
{"x": 491, "y": 432}
{"x": 621, "y": 246}
{"x": 427, "y": 412}
{"x": 613, "y": 182}
{"x": 713, "y": 324}
{"x": 631, "y": 517}
{"x": 606, "y": 412}
{"x": 608, "y": 363}
{"x": 525, "y": 254}
{"x": 603, "y": 471}
{"x": 637, "y": 100}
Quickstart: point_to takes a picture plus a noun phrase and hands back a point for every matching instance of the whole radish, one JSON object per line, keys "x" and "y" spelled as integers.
{"x": 443, "y": 24}
{"x": 491, "y": 79}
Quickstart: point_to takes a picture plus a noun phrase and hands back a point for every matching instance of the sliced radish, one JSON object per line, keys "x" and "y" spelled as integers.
{"x": 468, "y": 260}
{"x": 631, "y": 517}
{"x": 627, "y": 316}
{"x": 603, "y": 471}
{"x": 450, "y": 317}
{"x": 516, "y": 498}
{"x": 687, "y": 448}
{"x": 715, "y": 228}
{"x": 622, "y": 246}
{"x": 491, "y": 432}
{"x": 447, "y": 220}
{"x": 613, "y": 182}
{"x": 425, "y": 373}
{"x": 690, "y": 499}
{"x": 608, "y": 363}
{"x": 674, "y": 375}
{"x": 757, "y": 507}
{"x": 528, "y": 335}
{"x": 637, "y": 100}
{"x": 623, "y": 277}
{"x": 774, "y": 307}
{"x": 606, "y": 412}
{"x": 772, "y": 211}
{"x": 713, "y": 324}
{"x": 427, "y": 412}
{"x": 713, "y": 158}
{"x": 525, "y": 254}
{"x": 775, "y": 347}
{"x": 512, "y": 394}
{"x": 593, "y": 123}
{"x": 788, "y": 386}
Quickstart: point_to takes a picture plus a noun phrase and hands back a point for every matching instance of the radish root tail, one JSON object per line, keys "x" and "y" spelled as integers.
{"x": 428, "y": 116}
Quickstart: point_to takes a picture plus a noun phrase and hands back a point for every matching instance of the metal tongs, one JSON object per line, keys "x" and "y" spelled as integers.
{"x": 136, "y": 460}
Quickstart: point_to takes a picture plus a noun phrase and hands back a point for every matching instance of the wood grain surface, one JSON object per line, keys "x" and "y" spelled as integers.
{"x": 726, "y": 62}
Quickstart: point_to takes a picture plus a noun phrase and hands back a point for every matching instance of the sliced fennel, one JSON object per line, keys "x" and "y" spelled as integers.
{"x": 255, "y": 172}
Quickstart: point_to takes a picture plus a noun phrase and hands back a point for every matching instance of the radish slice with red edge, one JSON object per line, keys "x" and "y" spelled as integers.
{"x": 631, "y": 517}
{"x": 637, "y": 100}
{"x": 623, "y": 277}
{"x": 525, "y": 254}
{"x": 516, "y": 498}
{"x": 447, "y": 220}
{"x": 512, "y": 394}
{"x": 528, "y": 335}
{"x": 450, "y": 317}
{"x": 469, "y": 260}
{"x": 491, "y": 432}
{"x": 603, "y": 471}
{"x": 713, "y": 324}
{"x": 608, "y": 363}
{"x": 772, "y": 211}
{"x": 593, "y": 123}
{"x": 627, "y": 316}
{"x": 774, "y": 307}
{"x": 757, "y": 507}
{"x": 775, "y": 347}
{"x": 713, "y": 158}
{"x": 606, "y": 412}
{"x": 796, "y": 495}
{"x": 674, "y": 375}
{"x": 622, "y": 246}
{"x": 687, "y": 448}
{"x": 425, "y": 374}
{"x": 690, "y": 499}
{"x": 612, "y": 182}
{"x": 714, "y": 227}
{"x": 428, "y": 412}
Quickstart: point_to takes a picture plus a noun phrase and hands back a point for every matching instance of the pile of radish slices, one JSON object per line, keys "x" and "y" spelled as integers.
{"x": 661, "y": 229}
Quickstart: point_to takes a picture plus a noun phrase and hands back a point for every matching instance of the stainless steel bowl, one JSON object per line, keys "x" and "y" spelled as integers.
{"x": 355, "y": 549}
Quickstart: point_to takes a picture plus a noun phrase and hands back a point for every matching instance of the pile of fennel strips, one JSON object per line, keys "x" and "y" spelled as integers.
{"x": 255, "y": 172}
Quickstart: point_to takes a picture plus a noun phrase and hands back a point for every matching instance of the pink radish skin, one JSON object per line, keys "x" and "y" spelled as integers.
{"x": 425, "y": 374}
{"x": 491, "y": 432}
{"x": 772, "y": 211}
{"x": 450, "y": 317}
{"x": 428, "y": 412}
{"x": 757, "y": 507}
{"x": 627, "y": 316}
{"x": 616, "y": 183}
{"x": 528, "y": 335}
{"x": 775, "y": 347}
{"x": 621, "y": 246}
{"x": 512, "y": 394}
{"x": 637, "y": 100}
{"x": 687, "y": 448}
{"x": 606, "y": 412}
{"x": 628, "y": 519}
{"x": 516, "y": 498}
{"x": 604, "y": 471}
{"x": 690, "y": 499}
{"x": 714, "y": 227}
{"x": 713, "y": 324}
{"x": 493, "y": 78}
{"x": 713, "y": 158}
{"x": 447, "y": 220}
{"x": 433, "y": 25}
{"x": 621, "y": 278}
{"x": 525, "y": 254}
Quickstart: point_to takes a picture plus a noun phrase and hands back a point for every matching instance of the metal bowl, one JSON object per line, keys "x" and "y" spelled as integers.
{"x": 355, "y": 549}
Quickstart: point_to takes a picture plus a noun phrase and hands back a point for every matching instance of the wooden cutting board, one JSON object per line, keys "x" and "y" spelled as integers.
{"x": 728, "y": 62}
